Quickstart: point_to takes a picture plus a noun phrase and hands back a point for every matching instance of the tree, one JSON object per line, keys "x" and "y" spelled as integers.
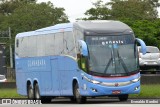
{"x": 26, "y": 16}
{"x": 133, "y": 9}
{"x": 33, "y": 16}
{"x": 100, "y": 11}
{"x": 122, "y": 9}
{"x": 146, "y": 30}
{"x": 7, "y": 7}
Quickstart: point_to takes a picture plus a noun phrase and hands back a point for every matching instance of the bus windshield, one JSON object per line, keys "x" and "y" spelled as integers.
{"x": 112, "y": 55}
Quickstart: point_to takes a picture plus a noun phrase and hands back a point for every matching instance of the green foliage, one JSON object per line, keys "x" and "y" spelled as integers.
{"x": 100, "y": 11}
{"x": 146, "y": 30}
{"x": 7, "y": 7}
{"x": 31, "y": 16}
{"x": 27, "y": 15}
{"x": 133, "y": 9}
{"x": 148, "y": 91}
{"x": 10, "y": 93}
{"x": 119, "y": 9}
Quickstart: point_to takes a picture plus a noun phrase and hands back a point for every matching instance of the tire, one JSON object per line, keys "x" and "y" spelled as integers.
{"x": 30, "y": 92}
{"x": 79, "y": 99}
{"x": 72, "y": 99}
{"x": 46, "y": 100}
{"x": 36, "y": 92}
{"x": 123, "y": 97}
{"x": 37, "y": 95}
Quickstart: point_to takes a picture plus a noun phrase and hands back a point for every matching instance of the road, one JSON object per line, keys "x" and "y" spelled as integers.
{"x": 61, "y": 102}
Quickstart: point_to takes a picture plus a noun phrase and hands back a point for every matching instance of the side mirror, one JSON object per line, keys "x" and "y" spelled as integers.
{"x": 82, "y": 47}
{"x": 143, "y": 45}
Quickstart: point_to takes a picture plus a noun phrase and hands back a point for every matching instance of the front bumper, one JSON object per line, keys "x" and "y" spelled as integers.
{"x": 150, "y": 63}
{"x": 100, "y": 90}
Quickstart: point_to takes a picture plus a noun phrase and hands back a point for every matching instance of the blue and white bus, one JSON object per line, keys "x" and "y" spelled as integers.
{"x": 78, "y": 60}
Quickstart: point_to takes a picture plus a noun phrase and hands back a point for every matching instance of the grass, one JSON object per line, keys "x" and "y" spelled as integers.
{"x": 9, "y": 93}
{"x": 147, "y": 91}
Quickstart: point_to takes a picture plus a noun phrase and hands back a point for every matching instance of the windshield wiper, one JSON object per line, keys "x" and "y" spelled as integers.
{"x": 109, "y": 62}
{"x": 123, "y": 64}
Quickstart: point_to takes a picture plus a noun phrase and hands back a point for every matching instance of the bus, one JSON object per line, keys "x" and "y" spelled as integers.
{"x": 78, "y": 60}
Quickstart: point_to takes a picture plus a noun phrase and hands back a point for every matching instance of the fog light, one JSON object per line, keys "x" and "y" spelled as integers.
{"x": 136, "y": 88}
{"x": 94, "y": 90}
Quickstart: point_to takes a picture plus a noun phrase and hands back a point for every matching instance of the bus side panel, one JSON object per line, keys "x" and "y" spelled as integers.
{"x": 21, "y": 71}
{"x": 67, "y": 68}
{"x": 20, "y": 82}
{"x": 55, "y": 77}
{"x": 39, "y": 69}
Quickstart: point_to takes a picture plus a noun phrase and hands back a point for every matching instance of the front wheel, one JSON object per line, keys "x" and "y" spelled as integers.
{"x": 79, "y": 99}
{"x": 123, "y": 97}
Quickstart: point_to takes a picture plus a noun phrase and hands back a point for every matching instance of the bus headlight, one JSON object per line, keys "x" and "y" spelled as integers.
{"x": 136, "y": 79}
{"x": 90, "y": 80}
{"x": 95, "y": 82}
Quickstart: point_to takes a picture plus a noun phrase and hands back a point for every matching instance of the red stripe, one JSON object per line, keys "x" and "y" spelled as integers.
{"x": 115, "y": 77}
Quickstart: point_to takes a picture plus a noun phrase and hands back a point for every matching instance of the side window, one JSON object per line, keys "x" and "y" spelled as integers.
{"x": 78, "y": 36}
{"x": 58, "y": 43}
{"x": 23, "y": 52}
{"x": 69, "y": 44}
{"x": 17, "y": 47}
{"x": 50, "y": 47}
{"x": 82, "y": 62}
{"x": 17, "y": 43}
{"x": 32, "y": 46}
{"x": 41, "y": 42}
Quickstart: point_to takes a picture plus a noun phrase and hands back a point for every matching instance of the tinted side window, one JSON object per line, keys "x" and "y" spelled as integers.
{"x": 69, "y": 44}
{"x": 17, "y": 47}
{"x": 23, "y": 47}
{"x": 50, "y": 46}
{"x": 41, "y": 42}
{"x": 32, "y": 46}
{"x": 58, "y": 43}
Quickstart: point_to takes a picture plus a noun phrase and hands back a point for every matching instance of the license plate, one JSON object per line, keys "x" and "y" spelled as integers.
{"x": 116, "y": 92}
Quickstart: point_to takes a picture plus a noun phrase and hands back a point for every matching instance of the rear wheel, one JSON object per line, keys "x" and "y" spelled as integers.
{"x": 79, "y": 99}
{"x": 36, "y": 91}
{"x": 39, "y": 97}
{"x": 72, "y": 99}
{"x": 30, "y": 93}
{"x": 123, "y": 97}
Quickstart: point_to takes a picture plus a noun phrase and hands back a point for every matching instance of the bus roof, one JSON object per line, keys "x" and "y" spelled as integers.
{"x": 98, "y": 26}
{"x": 47, "y": 30}
{"x": 103, "y": 26}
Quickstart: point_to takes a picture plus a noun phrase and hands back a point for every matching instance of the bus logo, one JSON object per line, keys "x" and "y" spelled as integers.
{"x": 116, "y": 84}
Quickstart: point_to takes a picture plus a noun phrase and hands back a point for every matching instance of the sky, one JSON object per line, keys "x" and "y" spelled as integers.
{"x": 75, "y": 8}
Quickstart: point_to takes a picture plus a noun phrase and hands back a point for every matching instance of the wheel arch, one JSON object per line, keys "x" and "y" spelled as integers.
{"x": 28, "y": 82}
{"x": 35, "y": 81}
{"x": 74, "y": 82}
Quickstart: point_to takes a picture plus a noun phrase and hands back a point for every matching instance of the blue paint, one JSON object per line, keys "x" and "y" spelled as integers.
{"x": 143, "y": 45}
{"x": 55, "y": 73}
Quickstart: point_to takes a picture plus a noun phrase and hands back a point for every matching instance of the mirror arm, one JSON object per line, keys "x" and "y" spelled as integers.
{"x": 143, "y": 45}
